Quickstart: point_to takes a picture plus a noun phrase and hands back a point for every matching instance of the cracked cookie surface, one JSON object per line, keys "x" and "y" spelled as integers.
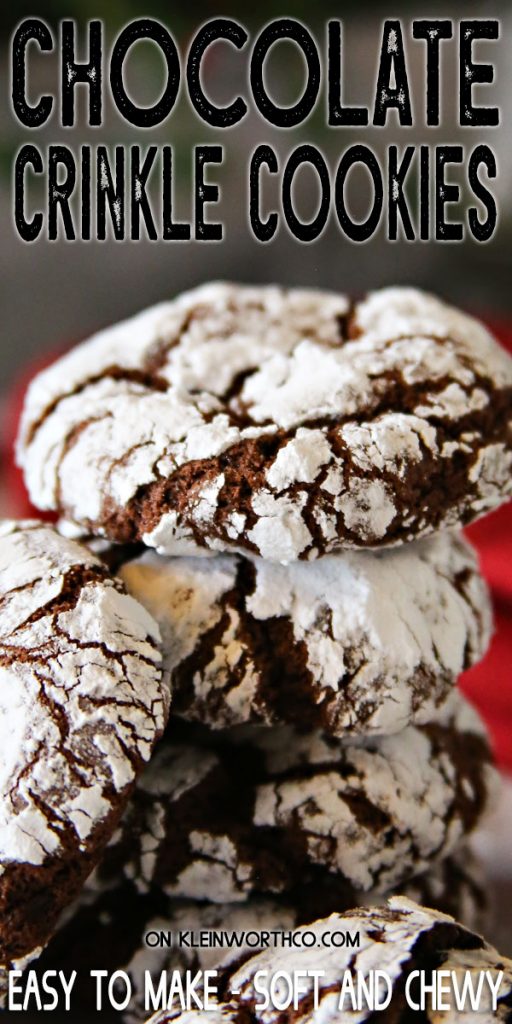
{"x": 82, "y": 704}
{"x": 266, "y": 810}
{"x": 398, "y": 939}
{"x": 357, "y": 643}
{"x": 289, "y": 423}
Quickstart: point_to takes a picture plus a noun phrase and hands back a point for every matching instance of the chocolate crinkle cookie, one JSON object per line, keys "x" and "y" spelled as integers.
{"x": 287, "y": 423}
{"x": 108, "y": 930}
{"x": 266, "y": 810}
{"x": 82, "y": 704}
{"x": 356, "y": 643}
{"x": 399, "y": 938}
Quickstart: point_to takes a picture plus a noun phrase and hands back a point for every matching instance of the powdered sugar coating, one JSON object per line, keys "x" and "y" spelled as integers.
{"x": 265, "y": 809}
{"x": 465, "y": 963}
{"x": 284, "y": 422}
{"x": 396, "y": 939}
{"x": 410, "y": 779}
{"x": 82, "y": 703}
{"x": 224, "y": 1013}
{"x": 360, "y": 642}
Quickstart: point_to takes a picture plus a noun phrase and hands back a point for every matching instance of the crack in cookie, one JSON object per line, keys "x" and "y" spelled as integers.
{"x": 83, "y": 701}
{"x": 287, "y": 423}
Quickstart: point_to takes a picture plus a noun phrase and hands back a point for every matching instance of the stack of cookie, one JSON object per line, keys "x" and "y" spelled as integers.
{"x": 324, "y": 456}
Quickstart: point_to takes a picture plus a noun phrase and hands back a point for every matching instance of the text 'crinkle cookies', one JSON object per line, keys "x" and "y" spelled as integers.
{"x": 267, "y": 810}
{"x": 288, "y": 423}
{"x": 82, "y": 703}
{"x": 397, "y": 939}
{"x": 356, "y": 643}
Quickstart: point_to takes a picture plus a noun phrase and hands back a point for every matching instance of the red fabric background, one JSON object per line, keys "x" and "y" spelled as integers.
{"x": 489, "y": 685}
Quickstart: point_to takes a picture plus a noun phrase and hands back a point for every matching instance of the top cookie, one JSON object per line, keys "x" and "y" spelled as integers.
{"x": 287, "y": 423}
{"x": 82, "y": 704}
